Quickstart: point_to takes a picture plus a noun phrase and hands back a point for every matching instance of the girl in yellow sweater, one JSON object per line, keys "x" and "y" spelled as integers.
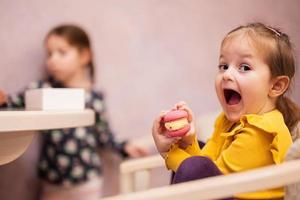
{"x": 256, "y": 67}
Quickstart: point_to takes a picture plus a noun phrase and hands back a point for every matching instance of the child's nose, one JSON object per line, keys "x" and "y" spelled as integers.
{"x": 228, "y": 75}
{"x": 52, "y": 60}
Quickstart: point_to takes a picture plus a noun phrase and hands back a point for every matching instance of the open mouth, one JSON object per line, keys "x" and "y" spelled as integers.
{"x": 232, "y": 97}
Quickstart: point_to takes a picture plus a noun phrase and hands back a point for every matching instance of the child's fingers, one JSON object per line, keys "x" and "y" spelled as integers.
{"x": 192, "y": 130}
{"x": 183, "y": 106}
{"x": 190, "y": 112}
{"x": 176, "y": 139}
{"x": 162, "y": 114}
{"x": 162, "y": 141}
{"x": 164, "y": 138}
{"x": 179, "y": 105}
{"x": 157, "y": 125}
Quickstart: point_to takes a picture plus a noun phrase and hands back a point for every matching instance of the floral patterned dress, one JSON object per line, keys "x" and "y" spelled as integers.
{"x": 69, "y": 156}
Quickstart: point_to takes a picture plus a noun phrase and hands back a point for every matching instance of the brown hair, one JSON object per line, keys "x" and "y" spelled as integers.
{"x": 277, "y": 51}
{"x": 76, "y": 37}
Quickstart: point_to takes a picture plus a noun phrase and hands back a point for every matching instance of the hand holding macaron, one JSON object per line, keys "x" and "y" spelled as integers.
{"x": 173, "y": 126}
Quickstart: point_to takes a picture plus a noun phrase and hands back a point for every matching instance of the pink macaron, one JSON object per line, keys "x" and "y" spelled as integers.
{"x": 176, "y": 123}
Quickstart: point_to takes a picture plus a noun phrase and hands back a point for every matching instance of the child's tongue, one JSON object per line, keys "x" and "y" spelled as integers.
{"x": 234, "y": 99}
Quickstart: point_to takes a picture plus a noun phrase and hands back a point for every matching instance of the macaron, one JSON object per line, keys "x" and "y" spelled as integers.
{"x": 176, "y": 123}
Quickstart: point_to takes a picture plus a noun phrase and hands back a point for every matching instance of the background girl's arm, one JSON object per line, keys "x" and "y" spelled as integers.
{"x": 106, "y": 138}
{"x": 18, "y": 100}
{"x": 12, "y": 101}
{"x": 3, "y": 98}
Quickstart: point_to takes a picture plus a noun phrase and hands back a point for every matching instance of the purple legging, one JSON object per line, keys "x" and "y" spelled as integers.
{"x": 196, "y": 167}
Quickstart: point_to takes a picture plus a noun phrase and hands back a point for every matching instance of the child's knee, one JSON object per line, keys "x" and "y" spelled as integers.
{"x": 195, "y": 167}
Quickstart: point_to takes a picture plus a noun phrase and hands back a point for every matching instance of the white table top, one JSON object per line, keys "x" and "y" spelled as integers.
{"x": 41, "y": 120}
{"x": 17, "y": 128}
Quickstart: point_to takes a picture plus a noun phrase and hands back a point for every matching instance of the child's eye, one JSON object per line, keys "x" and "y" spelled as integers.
{"x": 244, "y": 68}
{"x": 49, "y": 53}
{"x": 223, "y": 67}
{"x": 62, "y": 52}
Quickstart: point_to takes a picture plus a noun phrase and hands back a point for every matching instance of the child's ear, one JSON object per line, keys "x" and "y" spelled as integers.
{"x": 85, "y": 56}
{"x": 279, "y": 86}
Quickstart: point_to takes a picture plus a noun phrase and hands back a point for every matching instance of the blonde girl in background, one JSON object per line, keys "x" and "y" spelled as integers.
{"x": 69, "y": 165}
{"x": 256, "y": 68}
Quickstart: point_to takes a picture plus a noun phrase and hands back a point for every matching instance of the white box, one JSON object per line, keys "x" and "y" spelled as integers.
{"x": 55, "y": 99}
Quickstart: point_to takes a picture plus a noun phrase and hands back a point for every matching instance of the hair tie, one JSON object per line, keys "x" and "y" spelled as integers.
{"x": 274, "y": 31}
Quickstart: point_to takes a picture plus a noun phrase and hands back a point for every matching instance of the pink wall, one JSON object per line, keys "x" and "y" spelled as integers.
{"x": 149, "y": 54}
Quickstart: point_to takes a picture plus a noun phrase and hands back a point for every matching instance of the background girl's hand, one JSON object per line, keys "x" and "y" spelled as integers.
{"x": 189, "y": 137}
{"x": 162, "y": 142}
{"x": 135, "y": 150}
{"x": 2, "y": 98}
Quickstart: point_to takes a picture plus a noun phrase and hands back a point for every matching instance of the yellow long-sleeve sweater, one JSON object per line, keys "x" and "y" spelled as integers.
{"x": 255, "y": 141}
